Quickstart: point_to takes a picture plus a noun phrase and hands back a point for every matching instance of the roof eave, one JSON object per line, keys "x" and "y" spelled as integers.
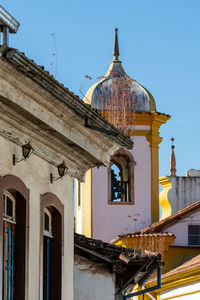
{"x": 24, "y": 64}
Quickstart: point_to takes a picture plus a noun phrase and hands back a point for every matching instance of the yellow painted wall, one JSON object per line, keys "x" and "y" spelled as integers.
{"x": 175, "y": 256}
{"x": 163, "y": 198}
{"x": 87, "y": 205}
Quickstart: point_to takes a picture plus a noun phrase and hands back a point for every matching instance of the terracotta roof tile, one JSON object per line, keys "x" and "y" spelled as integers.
{"x": 186, "y": 266}
{"x": 146, "y": 235}
{"x": 157, "y": 226}
{"x": 113, "y": 250}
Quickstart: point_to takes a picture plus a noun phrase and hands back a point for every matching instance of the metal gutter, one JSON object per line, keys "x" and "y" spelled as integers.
{"x": 42, "y": 77}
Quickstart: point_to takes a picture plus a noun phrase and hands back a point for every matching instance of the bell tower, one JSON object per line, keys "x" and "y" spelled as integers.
{"x": 125, "y": 196}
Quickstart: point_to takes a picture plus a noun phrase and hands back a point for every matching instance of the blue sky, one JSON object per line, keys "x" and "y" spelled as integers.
{"x": 159, "y": 47}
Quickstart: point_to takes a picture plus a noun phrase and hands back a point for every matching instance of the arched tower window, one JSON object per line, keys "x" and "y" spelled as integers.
{"x": 121, "y": 178}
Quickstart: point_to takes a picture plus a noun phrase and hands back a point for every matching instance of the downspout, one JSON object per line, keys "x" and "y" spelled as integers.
{"x": 149, "y": 295}
{"x": 158, "y": 286}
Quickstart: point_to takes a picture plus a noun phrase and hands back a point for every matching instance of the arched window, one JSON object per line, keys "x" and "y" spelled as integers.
{"x": 9, "y": 221}
{"x": 14, "y": 216}
{"x": 52, "y": 222}
{"x": 14, "y": 238}
{"x": 121, "y": 178}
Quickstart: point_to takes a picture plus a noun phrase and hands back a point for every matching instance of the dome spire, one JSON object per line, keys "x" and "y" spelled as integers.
{"x": 116, "y": 46}
{"x": 172, "y": 160}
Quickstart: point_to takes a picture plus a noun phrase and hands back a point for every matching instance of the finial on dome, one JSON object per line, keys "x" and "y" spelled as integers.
{"x": 172, "y": 160}
{"x": 116, "y": 46}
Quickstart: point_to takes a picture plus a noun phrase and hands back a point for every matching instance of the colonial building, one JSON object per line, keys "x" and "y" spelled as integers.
{"x": 181, "y": 283}
{"x": 104, "y": 271}
{"x": 46, "y": 141}
{"x": 176, "y": 238}
{"x": 125, "y": 196}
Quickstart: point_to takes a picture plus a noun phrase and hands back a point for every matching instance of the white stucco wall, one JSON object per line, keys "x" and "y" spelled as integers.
{"x": 92, "y": 281}
{"x": 190, "y": 291}
{"x": 35, "y": 173}
{"x": 180, "y": 228}
{"x": 112, "y": 220}
{"x": 184, "y": 191}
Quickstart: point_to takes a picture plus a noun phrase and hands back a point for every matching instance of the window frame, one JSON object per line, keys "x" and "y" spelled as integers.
{"x": 46, "y": 232}
{"x": 5, "y": 216}
{"x": 55, "y": 206}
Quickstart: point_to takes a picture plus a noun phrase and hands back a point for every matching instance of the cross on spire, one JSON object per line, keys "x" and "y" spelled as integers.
{"x": 116, "y": 46}
{"x": 172, "y": 160}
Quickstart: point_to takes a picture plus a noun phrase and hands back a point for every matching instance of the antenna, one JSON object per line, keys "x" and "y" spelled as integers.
{"x": 54, "y": 54}
{"x": 83, "y": 84}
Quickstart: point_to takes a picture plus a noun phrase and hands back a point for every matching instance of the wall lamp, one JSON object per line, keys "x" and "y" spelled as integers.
{"x": 61, "y": 171}
{"x": 27, "y": 149}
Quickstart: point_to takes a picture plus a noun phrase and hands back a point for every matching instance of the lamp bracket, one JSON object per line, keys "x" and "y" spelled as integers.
{"x": 15, "y": 160}
{"x": 54, "y": 178}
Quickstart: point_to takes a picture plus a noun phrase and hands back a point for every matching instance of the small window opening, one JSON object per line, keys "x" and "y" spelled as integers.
{"x": 47, "y": 223}
{"x": 194, "y": 235}
{"x": 9, "y": 206}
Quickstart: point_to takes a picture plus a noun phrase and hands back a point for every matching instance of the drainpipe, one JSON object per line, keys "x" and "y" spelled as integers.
{"x": 149, "y": 295}
{"x": 158, "y": 286}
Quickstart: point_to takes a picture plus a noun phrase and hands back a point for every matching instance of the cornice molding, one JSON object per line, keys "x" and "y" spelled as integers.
{"x": 56, "y": 131}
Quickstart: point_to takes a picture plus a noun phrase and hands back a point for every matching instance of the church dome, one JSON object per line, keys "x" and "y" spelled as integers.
{"x": 117, "y": 89}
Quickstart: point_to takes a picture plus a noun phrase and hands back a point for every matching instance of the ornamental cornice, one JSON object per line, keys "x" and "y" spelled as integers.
{"x": 29, "y": 113}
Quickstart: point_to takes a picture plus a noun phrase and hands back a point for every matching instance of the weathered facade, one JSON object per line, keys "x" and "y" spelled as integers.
{"x": 178, "y": 192}
{"x": 42, "y": 124}
{"x": 104, "y": 271}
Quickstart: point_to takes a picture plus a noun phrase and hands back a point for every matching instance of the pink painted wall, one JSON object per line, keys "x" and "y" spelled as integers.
{"x": 180, "y": 228}
{"x": 111, "y": 220}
